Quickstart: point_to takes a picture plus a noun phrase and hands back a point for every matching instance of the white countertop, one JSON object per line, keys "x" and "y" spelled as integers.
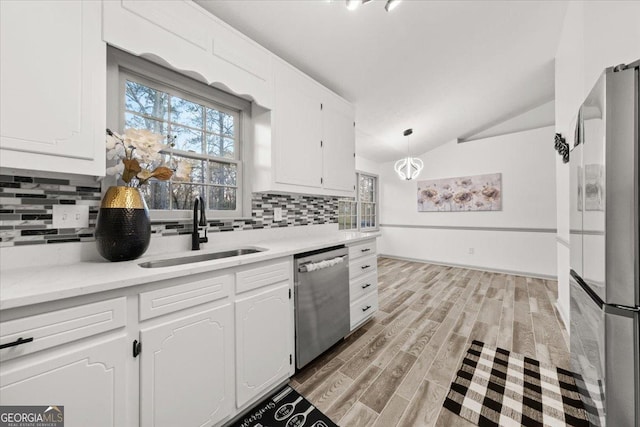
{"x": 37, "y": 284}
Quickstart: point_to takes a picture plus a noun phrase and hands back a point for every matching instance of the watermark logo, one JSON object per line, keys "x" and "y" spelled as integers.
{"x": 31, "y": 416}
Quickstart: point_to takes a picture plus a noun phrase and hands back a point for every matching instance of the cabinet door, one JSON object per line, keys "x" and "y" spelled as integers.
{"x": 338, "y": 134}
{"x": 188, "y": 38}
{"x": 89, "y": 382}
{"x": 53, "y": 85}
{"x": 264, "y": 339}
{"x": 186, "y": 370}
{"x": 297, "y": 129}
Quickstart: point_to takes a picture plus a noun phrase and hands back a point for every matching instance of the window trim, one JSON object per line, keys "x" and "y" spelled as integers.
{"x": 358, "y": 204}
{"x": 376, "y": 201}
{"x": 121, "y": 64}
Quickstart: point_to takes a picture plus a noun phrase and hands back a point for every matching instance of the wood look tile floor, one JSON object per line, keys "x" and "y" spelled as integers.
{"x": 396, "y": 369}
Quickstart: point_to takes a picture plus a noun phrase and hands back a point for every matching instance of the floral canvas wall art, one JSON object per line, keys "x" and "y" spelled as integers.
{"x": 467, "y": 193}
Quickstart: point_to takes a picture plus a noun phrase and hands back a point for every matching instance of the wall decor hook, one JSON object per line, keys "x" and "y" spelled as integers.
{"x": 562, "y": 147}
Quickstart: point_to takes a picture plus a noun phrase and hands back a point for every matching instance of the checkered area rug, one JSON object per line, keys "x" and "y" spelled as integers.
{"x": 495, "y": 387}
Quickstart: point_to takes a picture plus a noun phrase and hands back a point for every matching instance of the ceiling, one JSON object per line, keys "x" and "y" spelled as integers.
{"x": 447, "y": 69}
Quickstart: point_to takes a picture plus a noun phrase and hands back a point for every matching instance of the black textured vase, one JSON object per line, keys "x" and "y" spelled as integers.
{"x": 123, "y": 229}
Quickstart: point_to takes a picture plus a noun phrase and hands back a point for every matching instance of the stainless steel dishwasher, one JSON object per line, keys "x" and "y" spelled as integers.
{"x": 321, "y": 301}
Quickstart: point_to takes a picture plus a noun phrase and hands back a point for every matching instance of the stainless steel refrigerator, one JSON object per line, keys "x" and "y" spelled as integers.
{"x": 605, "y": 295}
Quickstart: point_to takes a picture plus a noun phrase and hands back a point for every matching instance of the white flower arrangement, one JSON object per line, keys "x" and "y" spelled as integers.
{"x": 136, "y": 152}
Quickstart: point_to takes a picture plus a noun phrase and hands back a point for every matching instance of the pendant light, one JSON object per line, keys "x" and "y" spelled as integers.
{"x": 410, "y": 167}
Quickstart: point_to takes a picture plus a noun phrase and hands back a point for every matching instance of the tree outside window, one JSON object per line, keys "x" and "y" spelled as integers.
{"x": 204, "y": 136}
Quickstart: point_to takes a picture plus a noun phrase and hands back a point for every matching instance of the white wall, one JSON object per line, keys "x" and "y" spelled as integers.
{"x": 366, "y": 165}
{"x": 595, "y": 35}
{"x": 527, "y": 163}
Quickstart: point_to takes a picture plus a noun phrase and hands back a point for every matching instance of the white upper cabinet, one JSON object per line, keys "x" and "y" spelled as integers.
{"x": 190, "y": 40}
{"x": 307, "y": 143}
{"x": 53, "y": 85}
{"x": 297, "y": 129}
{"x": 338, "y": 145}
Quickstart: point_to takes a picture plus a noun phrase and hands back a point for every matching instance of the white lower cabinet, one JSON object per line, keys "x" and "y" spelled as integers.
{"x": 264, "y": 334}
{"x": 186, "y": 370}
{"x": 205, "y": 347}
{"x": 89, "y": 381}
{"x": 363, "y": 282}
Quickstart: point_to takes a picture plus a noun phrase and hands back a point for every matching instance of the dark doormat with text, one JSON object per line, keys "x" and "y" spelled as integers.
{"x": 285, "y": 408}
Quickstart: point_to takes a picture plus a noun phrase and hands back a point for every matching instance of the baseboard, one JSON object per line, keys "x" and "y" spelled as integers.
{"x": 474, "y": 267}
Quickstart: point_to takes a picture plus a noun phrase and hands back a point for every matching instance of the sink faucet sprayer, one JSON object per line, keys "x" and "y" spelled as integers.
{"x": 198, "y": 225}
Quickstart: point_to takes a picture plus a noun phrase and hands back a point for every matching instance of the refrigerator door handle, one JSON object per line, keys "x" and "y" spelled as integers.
{"x": 626, "y": 308}
{"x": 587, "y": 289}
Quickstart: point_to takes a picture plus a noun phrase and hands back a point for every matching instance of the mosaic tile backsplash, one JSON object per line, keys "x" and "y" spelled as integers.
{"x": 26, "y": 206}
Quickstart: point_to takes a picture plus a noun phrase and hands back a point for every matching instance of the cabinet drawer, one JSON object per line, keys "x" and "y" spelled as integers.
{"x": 362, "y": 249}
{"x": 363, "y": 285}
{"x": 61, "y": 326}
{"x": 174, "y": 298}
{"x": 363, "y": 308}
{"x": 362, "y": 266}
{"x": 263, "y": 275}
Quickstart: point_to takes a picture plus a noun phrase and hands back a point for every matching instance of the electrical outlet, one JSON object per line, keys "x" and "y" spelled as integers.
{"x": 471, "y": 251}
{"x": 70, "y": 216}
{"x": 277, "y": 214}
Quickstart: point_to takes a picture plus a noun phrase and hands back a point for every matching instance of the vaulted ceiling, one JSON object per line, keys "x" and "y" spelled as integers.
{"x": 448, "y": 69}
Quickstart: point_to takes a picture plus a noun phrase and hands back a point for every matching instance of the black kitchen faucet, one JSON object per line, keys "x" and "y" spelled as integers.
{"x": 198, "y": 203}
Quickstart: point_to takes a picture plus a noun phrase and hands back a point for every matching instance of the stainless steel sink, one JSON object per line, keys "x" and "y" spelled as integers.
{"x": 167, "y": 262}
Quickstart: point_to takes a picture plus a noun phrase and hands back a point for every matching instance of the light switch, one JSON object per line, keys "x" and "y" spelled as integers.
{"x": 70, "y": 216}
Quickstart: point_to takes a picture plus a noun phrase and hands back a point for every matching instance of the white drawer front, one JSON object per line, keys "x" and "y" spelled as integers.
{"x": 363, "y": 285}
{"x": 363, "y": 308}
{"x": 362, "y": 266}
{"x": 167, "y": 300}
{"x": 362, "y": 249}
{"x": 264, "y": 275}
{"x": 61, "y": 326}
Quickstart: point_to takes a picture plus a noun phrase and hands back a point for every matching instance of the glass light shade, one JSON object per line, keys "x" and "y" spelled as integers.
{"x": 408, "y": 168}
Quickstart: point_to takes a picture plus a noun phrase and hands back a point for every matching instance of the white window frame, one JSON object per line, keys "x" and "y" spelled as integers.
{"x": 358, "y": 204}
{"x": 122, "y": 66}
{"x": 375, "y": 201}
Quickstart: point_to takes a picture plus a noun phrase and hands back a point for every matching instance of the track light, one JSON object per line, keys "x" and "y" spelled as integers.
{"x": 353, "y": 4}
{"x": 391, "y": 4}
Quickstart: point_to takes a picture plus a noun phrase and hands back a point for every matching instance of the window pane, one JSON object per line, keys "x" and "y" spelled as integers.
{"x": 145, "y": 100}
{"x": 198, "y": 169}
{"x": 183, "y": 195}
{"x": 222, "y": 198}
{"x": 366, "y": 189}
{"x": 186, "y": 112}
{"x": 222, "y": 173}
{"x": 220, "y": 146}
{"x": 156, "y": 194}
{"x": 134, "y": 121}
{"x": 186, "y": 139}
{"x": 220, "y": 123}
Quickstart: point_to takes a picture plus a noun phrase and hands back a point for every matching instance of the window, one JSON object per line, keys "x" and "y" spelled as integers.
{"x": 361, "y": 213}
{"x": 203, "y": 126}
{"x": 367, "y": 201}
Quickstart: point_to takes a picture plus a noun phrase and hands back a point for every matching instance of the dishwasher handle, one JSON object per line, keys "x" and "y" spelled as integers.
{"x": 315, "y": 266}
